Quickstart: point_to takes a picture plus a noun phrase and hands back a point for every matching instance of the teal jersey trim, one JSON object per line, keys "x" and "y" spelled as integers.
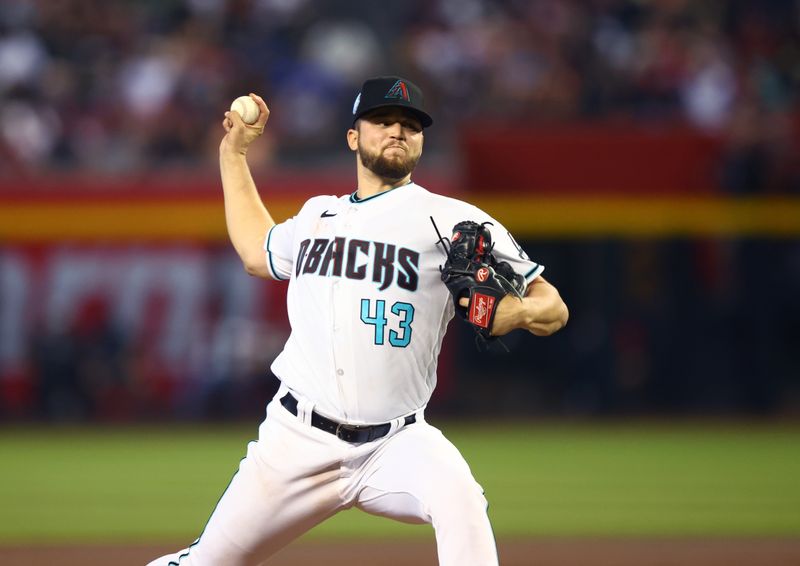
{"x": 534, "y": 270}
{"x": 184, "y": 555}
{"x": 355, "y": 200}
{"x": 269, "y": 256}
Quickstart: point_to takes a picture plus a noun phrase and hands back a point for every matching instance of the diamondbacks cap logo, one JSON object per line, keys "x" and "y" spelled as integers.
{"x": 482, "y": 274}
{"x": 481, "y": 312}
{"x": 398, "y": 90}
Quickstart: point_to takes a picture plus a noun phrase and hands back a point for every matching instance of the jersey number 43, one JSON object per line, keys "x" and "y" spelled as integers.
{"x": 405, "y": 314}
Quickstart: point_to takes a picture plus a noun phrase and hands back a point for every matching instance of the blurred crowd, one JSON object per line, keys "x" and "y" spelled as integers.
{"x": 122, "y": 85}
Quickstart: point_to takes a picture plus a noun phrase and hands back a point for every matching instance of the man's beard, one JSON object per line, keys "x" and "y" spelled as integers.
{"x": 392, "y": 169}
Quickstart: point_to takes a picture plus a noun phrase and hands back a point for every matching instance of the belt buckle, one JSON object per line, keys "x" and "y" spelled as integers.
{"x": 346, "y": 427}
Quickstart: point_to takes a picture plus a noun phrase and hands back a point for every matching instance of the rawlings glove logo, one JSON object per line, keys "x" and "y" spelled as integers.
{"x": 481, "y": 312}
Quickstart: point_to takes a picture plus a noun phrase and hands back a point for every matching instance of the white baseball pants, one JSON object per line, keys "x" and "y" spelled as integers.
{"x": 296, "y": 476}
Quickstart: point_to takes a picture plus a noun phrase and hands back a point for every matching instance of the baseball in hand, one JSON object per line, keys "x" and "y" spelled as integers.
{"x": 247, "y": 109}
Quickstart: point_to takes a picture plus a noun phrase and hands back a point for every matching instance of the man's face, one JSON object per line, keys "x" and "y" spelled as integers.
{"x": 389, "y": 142}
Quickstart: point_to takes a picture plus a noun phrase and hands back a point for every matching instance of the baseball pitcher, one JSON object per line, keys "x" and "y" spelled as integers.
{"x": 373, "y": 284}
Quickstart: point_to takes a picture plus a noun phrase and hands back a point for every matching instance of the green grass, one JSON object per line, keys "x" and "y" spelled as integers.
{"x": 151, "y": 484}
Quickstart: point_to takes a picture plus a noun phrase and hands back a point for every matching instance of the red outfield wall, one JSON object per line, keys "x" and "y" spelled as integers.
{"x": 585, "y": 158}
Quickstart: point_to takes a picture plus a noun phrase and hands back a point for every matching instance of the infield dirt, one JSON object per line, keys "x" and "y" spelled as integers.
{"x": 543, "y": 552}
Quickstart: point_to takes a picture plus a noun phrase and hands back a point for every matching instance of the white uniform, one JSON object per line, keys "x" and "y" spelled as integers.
{"x": 368, "y": 312}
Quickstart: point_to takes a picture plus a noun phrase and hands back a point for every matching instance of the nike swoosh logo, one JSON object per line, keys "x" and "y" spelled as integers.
{"x": 326, "y": 214}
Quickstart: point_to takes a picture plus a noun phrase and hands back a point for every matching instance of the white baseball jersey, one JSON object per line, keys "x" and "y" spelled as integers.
{"x": 366, "y": 304}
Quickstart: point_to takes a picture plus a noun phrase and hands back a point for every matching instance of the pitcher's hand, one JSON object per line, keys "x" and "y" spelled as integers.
{"x": 239, "y": 135}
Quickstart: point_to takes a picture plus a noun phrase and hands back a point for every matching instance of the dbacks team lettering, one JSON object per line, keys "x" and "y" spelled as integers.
{"x": 339, "y": 257}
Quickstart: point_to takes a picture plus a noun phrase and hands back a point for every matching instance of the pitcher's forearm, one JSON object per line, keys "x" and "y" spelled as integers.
{"x": 546, "y": 312}
{"x": 542, "y": 311}
{"x": 545, "y": 318}
{"x": 246, "y": 217}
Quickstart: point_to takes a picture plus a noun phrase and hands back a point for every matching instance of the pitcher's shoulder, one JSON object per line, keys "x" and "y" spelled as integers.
{"x": 449, "y": 207}
{"x": 320, "y": 203}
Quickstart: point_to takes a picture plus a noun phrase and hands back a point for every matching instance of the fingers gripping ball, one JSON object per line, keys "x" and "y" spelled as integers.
{"x": 472, "y": 271}
{"x": 247, "y": 108}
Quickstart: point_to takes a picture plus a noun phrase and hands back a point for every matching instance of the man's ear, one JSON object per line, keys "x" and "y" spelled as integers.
{"x": 352, "y": 139}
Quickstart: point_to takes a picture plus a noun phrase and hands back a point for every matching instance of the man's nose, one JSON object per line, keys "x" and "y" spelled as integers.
{"x": 395, "y": 130}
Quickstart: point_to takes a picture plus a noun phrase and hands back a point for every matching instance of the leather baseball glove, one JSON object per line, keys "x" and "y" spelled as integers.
{"x": 472, "y": 271}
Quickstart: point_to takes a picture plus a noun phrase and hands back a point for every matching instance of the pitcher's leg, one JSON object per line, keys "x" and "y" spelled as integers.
{"x": 231, "y": 515}
{"x": 287, "y": 484}
{"x": 256, "y": 517}
{"x": 420, "y": 476}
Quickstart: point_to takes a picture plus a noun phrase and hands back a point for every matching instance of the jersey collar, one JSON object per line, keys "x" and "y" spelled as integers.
{"x": 355, "y": 200}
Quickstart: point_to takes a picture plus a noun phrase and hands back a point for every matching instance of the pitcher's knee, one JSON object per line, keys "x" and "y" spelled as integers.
{"x": 459, "y": 499}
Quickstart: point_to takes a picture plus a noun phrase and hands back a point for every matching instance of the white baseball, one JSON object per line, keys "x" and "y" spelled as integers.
{"x": 247, "y": 109}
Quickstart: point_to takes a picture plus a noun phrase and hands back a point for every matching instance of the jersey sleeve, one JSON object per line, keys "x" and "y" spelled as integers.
{"x": 278, "y": 247}
{"x": 507, "y": 249}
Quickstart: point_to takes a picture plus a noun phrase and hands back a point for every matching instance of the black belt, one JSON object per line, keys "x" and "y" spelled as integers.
{"x": 349, "y": 433}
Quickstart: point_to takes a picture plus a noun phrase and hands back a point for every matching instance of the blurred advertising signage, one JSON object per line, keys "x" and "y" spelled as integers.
{"x": 185, "y": 312}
